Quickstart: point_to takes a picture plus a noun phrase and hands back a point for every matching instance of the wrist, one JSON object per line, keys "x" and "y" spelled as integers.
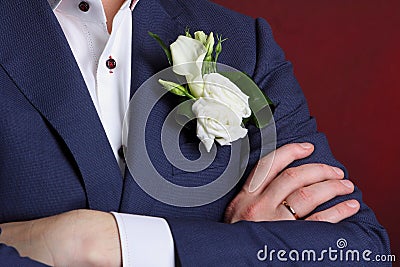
{"x": 13, "y": 233}
{"x": 100, "y": 245}
{"x": 26, "y": 238}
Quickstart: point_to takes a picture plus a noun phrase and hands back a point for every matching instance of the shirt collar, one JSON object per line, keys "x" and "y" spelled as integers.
{"x": 55, "y": 3}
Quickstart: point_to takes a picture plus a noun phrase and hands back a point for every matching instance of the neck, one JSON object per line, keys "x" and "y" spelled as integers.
{"x": 111, "y": 8}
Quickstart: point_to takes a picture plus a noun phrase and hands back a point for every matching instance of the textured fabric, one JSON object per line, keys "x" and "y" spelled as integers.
{"x": 51, "y": 129}
{"x": 345, "y": 55}
{"x": 53, "y": 138}
{"x": 91, "y": 44}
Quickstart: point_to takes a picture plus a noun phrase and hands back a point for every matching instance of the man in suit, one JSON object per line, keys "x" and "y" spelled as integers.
{"x": 59, "y": 153}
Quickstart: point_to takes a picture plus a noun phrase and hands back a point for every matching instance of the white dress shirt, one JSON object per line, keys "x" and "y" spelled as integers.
{"x": 105, "y": 63}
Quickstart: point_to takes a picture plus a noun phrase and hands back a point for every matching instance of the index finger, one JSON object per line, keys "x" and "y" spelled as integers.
{"x": 272, "y": 164}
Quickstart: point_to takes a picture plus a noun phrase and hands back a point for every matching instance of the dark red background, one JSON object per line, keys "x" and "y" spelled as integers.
{"x": 346, "y": 56}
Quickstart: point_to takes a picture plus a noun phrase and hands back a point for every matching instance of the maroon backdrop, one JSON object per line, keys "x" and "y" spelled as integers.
{"x": 346, "y": 56}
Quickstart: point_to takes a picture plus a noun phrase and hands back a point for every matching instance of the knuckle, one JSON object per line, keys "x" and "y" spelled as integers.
{"x": 291, "y": 177}
{"x": 250, "y": 212}
{"x": 305, "y": 194}
{"x": 336, "y": 187}
{"x": 291, "y": 173}
{"x": 255, "y": 211}
{"x": 340, "y": 211}
{"x": 230, "y": 209}
{"x": 234, "y": 209}
{"x": 324, "y": 168}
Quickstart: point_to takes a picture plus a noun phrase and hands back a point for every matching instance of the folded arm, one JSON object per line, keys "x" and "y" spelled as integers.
{"x": 221, "y": 244}
{"x": 217, "y": 244}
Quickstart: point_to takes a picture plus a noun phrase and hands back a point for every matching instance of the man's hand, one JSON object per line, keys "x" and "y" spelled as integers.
{"x": 303, "y": 188}
{"x": 75, "y": 238}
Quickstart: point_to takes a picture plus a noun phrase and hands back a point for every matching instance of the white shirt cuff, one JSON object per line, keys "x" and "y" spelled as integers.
{"x": 145, "y": 241}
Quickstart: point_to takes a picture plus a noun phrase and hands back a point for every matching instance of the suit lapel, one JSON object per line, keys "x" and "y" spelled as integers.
{"x": 148, "y": 58}
{"x": 36, "y": 55}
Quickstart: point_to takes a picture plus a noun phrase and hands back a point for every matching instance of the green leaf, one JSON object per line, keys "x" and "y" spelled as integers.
{"x": 175, "y": 88}
{"x": 166, "y": 48}
{"x": 259, "y": 103}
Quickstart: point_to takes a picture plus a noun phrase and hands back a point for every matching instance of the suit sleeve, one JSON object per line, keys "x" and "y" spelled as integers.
{"x": 204, "y": 243}
{"x": 9, "y": 257}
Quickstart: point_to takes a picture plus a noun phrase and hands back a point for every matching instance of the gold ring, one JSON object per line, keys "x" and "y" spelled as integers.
{"x": 289, "y": 208}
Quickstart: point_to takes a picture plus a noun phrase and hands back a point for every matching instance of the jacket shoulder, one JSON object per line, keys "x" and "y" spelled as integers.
{"x": 205, "y": 14}
{"x": 239, "y": 30}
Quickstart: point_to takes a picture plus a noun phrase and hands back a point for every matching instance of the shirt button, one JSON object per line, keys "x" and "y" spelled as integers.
{"x": 111, "y": 63}
{"x": 84, "y": 6}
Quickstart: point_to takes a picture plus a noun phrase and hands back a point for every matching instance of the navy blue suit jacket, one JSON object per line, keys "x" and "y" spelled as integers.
{"x": 55, "y": 157}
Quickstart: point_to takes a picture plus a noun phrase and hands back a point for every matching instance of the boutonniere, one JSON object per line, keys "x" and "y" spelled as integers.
{"x": 223, "y": 101}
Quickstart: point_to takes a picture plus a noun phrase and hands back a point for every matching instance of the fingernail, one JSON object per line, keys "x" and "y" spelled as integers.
{"x": 347, "y": 183}
{"x": 352, "y": 203}
{"x": 338, "y": 171}
{"x": 306, "y": 145}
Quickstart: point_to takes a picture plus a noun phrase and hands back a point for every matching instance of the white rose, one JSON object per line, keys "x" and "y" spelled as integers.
{"x": 222, "y": 89}
{"x": 187, "y": 57}
{"x": 216, "y": 121}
